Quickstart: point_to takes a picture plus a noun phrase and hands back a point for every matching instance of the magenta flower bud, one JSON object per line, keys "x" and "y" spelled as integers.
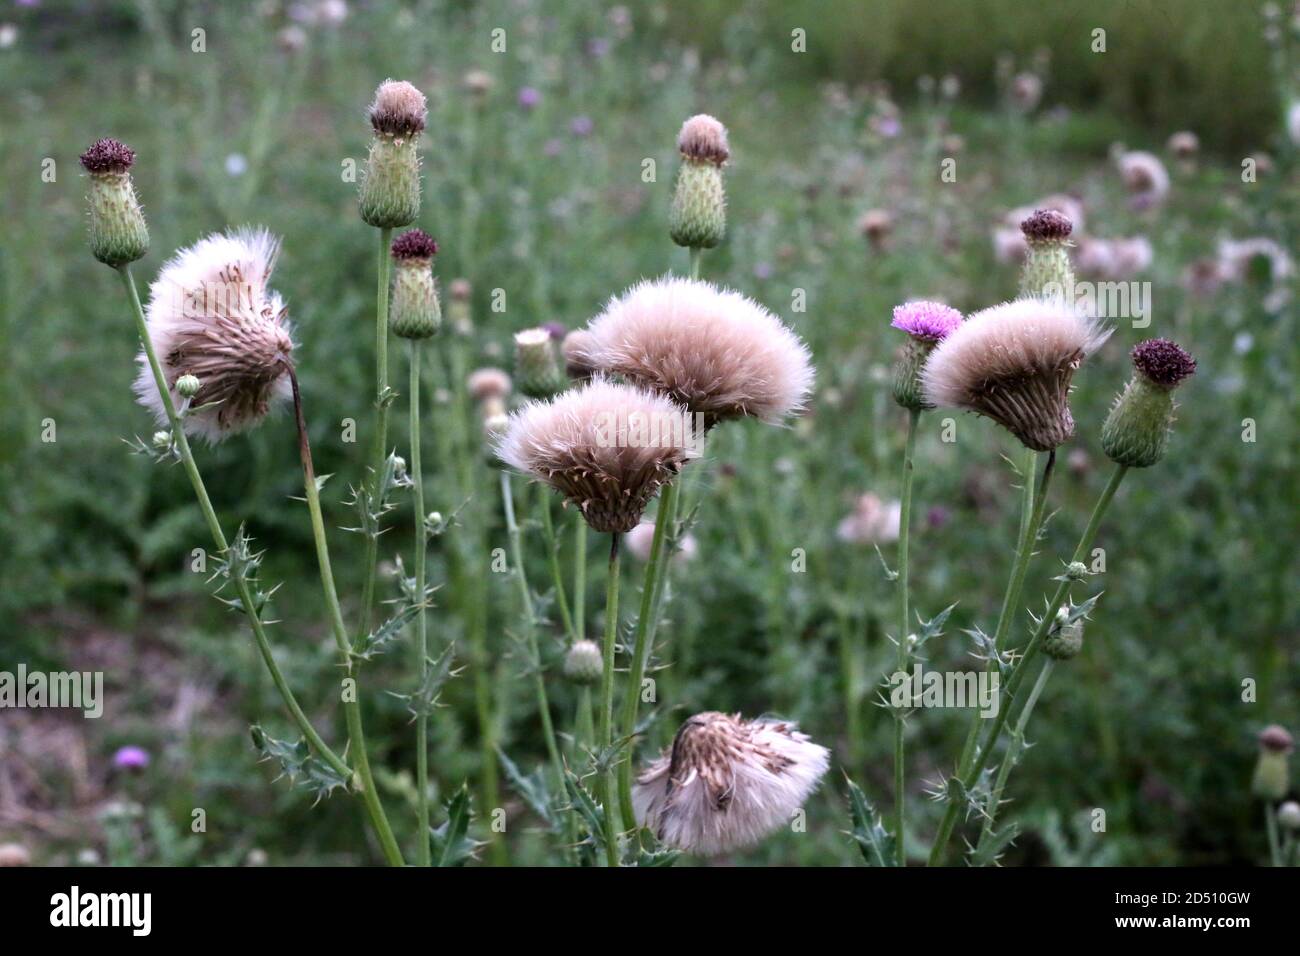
{"x": 131, "y": 758}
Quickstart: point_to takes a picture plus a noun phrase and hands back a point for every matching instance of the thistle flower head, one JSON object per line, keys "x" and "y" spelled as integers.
{"x": 607, "y": 448}
{"x": 1272, "y": 777}
{"x": 926, "y": 321}
{"x": 1184, "y": 144}
{"x": 118, "y": 232}
{"x": 640, "y": 542}
{"x": 717, "y": 352}
{"x": 398, "y": 110}
{"x": 414, "y": 310}
{"x": 704, "y": 139}
{"x": 583, "y": 663}
{"x": 1046, "y": 225}
{"x": 726, "y": 782}
{"x": 574, "y": 348}
{"x": 1163, "y": 362}
{"x": 1136, "y": 432}
{"x": 212, "y": 316}
{"x": 1276, "y": 739}
{"x": 485, "y": 383}
{"x": 1145, "y": 177}
{"x": 1013, "y": 363}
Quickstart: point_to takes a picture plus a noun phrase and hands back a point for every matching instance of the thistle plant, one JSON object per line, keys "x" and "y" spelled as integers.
{"x": 1271, "y": 781}
{"x": 926, "y": 324}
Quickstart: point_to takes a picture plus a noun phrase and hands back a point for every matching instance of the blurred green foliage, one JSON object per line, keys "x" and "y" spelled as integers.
{"x": 1148, "y": 723}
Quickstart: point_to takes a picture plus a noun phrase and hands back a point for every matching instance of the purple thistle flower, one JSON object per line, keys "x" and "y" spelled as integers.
{"x": 937, "y": 517}
{"x": 131, "y": 758}
{"x": 928, "y": 321}
{"x": 1163, "y": 362}
{"x": 581, "y": 126}
{"x": 529, "y": 97}
{"x": 555, "y": 330}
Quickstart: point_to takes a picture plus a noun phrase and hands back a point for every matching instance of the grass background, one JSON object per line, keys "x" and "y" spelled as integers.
{"x": 1148, "y": 724}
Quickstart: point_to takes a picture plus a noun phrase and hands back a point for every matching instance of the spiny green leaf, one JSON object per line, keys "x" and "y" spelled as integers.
{"x": 874, "y": 842}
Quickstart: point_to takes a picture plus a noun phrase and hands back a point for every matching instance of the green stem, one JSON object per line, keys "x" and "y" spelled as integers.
{"x": 530, "y": 627}
{"x": 607, "y": 782}
{"x": 1018, "y": 674}
{"x": 696, "y": 254}
{"x": 379, "y": 446}
{"x": 423, "y": 854}
{"x": 1016, "y": 745}
{"x": 579, "y": 578}
{"x": 904, "y": 630}
{"x": 651, "y": 593}
{"x": 219, "y": 537}
{"x": 352, "y": 701}
{"x": 553, "y": 559}
{"x": 1270, "y": 822}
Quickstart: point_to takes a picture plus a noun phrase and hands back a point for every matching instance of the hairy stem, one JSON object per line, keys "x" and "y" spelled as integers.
{"x": 904, "y": 629}
{"x": 423, "y": 854}
{"x": 352, "y": 701}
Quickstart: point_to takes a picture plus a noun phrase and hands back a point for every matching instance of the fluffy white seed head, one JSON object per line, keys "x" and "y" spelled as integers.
{"x": 1013, "y": 363}
{"x": 726, "y": 783}
{"x": 211, "y": 315}
{"x": 606, "y": 447}
{"x": 399, "y": 109}
{"x": 716, "y": 351}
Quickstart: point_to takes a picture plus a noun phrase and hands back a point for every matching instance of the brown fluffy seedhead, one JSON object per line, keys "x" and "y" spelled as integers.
{"x": 703, "y": 139}
{"x": 107, "y": 156}
{"x": 727, "y": 782}
{"x": 717, "y": 352}
{"x": 414, "y": 244}
{"x": 1047, "y": 225}
{"x": 398, "y": 110}
{"x": 1014, "y": 363}
{"x": 607, "y": 448}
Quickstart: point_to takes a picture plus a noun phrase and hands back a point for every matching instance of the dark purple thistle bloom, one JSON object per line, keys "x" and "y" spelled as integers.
{"x": 555, "y": 330}
{"x": 581, "y": 126}
{"x": 928, "y": 321}
{"x": 131, "y": 758}
{"x": 529, "y": 97}
{"x": 937, "y": 517}
{"x": 1163, "y": 362}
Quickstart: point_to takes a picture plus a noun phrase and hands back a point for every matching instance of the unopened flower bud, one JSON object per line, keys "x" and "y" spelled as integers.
{"x": 1076, "y": 571}
{"x": 162, "y": 440}
{"x": 414, "y": 311}
{"x": 537, "y": 367}
{"x": 187, "y": 386}
{"x": 583, "y": 663}
{"x": 118, "y": 232}
{"x": 1272, "y": 776}
{"x": 1289, "y": 815}
{"x": 698, "y": 217}
{"x": 399, "y": 467}
{"x": 434, "y": 524}
{"x": 390, "y": 185}
{"x": 1136, "y": 432}
{"x": 1065, "y": 639}
{"x": 1047, "y": 269}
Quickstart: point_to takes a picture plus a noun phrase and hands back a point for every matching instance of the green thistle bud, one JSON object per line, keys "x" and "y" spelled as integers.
{"x": 390, "y": 184}
{"x": 414, "y": 312}
{"x": 583, "y": 663}
{"x": 907, "y": 374}
{"x": 1047, "y": 267}
{"x": 187, "y": 386}
{"x": 537, "y": 365}
{"x": 1272, "y": 778}
{"x": 1136, "y": 432}
{"x": 698, "y": 217}
{"x": 1065, "y": 639}
{"x": 162, "y": 440}
{"x": 118, "y": 232}
{"x": 1076, "y": 570}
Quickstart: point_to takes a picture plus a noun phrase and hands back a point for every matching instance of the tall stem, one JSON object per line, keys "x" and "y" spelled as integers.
{"x": 607, "y": 700}
{"x": 379, "y": 446}
{"x": 530, "y": 626}
{"x": 1270, "y": 823}
{"x": 553, "y": 560}
{"x": 219, "y": 538}
{"x": 579, "y": 578}
{"x": 351, "y": 701}
{"x": 904, "y": 629}
{"x": 655, "y": 569}
{"x": 423, "y": 854}
{"x": 1016, "y": 745}
{"x": 967, "y": 778}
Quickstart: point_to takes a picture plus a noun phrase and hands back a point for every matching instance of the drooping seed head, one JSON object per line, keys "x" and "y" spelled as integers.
{"x": 211, "y": 315}
{"x": 606, "y": 447}
{"x": 1014, "y": 363}
{"x": 726, "y": 783}
{"x": 713, "y": 350}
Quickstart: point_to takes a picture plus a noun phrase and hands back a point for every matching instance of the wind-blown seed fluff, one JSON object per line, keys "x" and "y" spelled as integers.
{"x": 212, "y": 316}
{"x": 606, "y": 447}
{"x": 726, "y": 783}
{"x": 1013, "y": 363}
{"x": 716, "y": 351}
